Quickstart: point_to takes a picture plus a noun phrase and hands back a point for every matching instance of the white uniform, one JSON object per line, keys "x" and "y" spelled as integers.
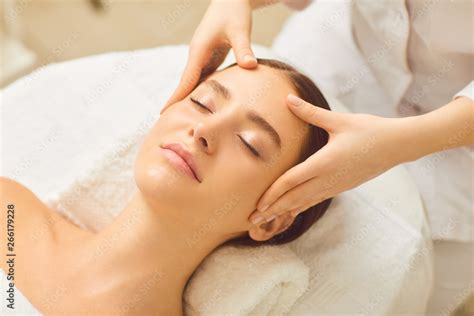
{"x": 420, "y": 54}
{"x": 400, "y": 58}
{"x": 431, "y": 62}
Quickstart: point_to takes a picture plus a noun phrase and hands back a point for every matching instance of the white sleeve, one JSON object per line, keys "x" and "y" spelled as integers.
{"x": 297, "y": 4}
{"x": 468, "y": 91}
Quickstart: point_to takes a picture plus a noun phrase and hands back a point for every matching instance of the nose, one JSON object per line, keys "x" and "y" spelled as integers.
{"x": 209, "y": 132}
{"x": 204, "y": 137}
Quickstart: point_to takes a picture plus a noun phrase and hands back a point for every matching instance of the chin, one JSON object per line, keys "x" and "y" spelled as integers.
{"x": 159, "y": 181}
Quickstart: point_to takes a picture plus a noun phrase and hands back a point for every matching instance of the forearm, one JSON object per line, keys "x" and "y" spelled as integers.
{"x": 447, "y": 127}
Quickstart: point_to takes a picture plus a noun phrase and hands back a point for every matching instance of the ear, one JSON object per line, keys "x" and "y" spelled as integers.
{"x": 265, "y": 231}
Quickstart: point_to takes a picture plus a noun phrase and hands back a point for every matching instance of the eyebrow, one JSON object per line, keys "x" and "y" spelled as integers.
{"x": 260, "y": 121}
{"x": 219, "y": 88}
{"x": 251, "y": 115}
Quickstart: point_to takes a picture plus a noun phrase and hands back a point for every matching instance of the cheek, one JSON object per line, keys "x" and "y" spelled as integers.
{"x": 154, "y": 177}
{"x": 148, "y": 172}
{"x": 240, "y": 180}
{"x": 178, "y": 113}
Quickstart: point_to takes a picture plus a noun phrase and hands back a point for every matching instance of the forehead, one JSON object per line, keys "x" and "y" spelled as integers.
{"x": 258, "y": 86}
{"x": 265, "y": 90}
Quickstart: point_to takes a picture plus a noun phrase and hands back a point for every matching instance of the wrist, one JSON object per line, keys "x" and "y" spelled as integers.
{"x": 448, "y": 127}
{"x": 404, "y": 139}
{"x": 414, "y": 134}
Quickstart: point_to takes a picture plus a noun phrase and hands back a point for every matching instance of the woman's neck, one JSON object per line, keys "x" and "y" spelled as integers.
{"x": 144, "y": 247}
{"x": 161, "y": 236}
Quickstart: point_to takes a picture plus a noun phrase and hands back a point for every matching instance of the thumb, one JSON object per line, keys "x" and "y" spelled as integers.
{"x": 312, "y": 114}
{"x": 242, "y": 50}
{"x": 186, "y": 84}
{"x": 188, "y": 81}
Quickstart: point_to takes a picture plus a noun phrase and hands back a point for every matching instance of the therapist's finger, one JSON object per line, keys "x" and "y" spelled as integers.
{"x": 313, "y": 114}
{"x": 188, "y": 80}
{"x": 191, "y": 74}
{"x": 294, "y": 201}
{"x": 300, "y": 199}
{"x": 291, "y": 178}
{"x": 243, "y": 52}
{"x": 215, "y": 59}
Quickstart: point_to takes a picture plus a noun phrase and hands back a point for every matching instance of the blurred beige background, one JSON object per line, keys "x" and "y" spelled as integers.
{"x": 38, "y": 32}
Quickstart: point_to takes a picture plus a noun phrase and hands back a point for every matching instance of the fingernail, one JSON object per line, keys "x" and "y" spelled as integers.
{"x": 256, "y": 219}
{"x": 263, "y": 208}
{"x": 270, "y": 218}
{"x": 249, "y": 58}
{"x": 294, "y": 100}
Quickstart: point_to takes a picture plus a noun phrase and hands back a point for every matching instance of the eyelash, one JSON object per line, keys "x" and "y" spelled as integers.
{"x": 252, "y": 150}
{"x": 199, "y": 104}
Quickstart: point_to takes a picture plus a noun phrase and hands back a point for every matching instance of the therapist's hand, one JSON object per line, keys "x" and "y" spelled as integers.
{"x": 226, "y": 24}
{"x": 360, "y": 147}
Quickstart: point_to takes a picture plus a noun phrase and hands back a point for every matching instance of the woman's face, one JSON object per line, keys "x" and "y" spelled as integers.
{"x": 242, "y": 137}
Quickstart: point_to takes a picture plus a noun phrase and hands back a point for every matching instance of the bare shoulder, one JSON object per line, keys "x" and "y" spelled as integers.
{"x": 15, "y": 195}
{"x": 21, "y": 210}
{"x": 9, "y": 186}
{"x": 12, "y": 191}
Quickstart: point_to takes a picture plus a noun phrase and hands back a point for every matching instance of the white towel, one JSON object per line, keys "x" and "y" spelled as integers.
{"x": 268, "y": 281}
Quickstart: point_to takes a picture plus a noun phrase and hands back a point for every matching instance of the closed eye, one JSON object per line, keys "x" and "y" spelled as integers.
{"x": 252, "y": 150}
{"x": 199, "y": 104}
{"x": 249, "y": 147}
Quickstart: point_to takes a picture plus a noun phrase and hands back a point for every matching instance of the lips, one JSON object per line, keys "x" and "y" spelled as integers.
{"x": 186, "y": 156}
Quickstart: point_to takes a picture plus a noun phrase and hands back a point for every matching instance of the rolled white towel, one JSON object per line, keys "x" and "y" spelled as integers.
{"x": 236, "y": 280}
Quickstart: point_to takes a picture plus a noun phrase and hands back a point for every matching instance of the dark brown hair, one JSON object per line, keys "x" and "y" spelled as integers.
{"x": 315, "y": 140}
